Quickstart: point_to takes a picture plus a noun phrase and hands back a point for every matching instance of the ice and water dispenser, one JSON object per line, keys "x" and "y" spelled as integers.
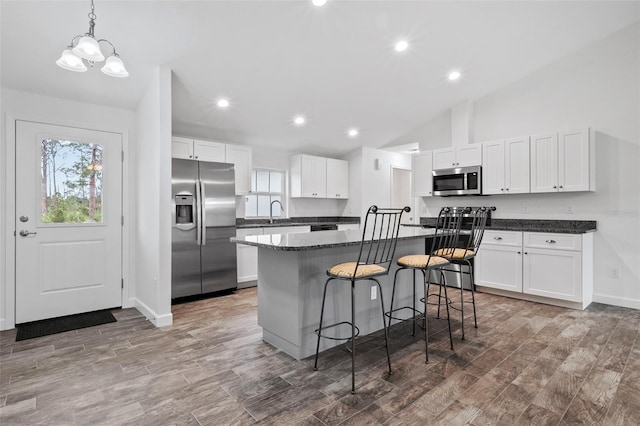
{"x": 184, "y": 209}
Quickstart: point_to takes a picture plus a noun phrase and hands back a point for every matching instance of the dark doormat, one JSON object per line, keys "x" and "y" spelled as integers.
{"x": 30, "y": 330}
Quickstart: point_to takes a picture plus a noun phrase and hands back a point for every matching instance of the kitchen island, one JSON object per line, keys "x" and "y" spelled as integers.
{"x": 291, "y": 276}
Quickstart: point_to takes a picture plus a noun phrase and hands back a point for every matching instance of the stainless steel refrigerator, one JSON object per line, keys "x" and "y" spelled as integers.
{"x": 204, "y": 219}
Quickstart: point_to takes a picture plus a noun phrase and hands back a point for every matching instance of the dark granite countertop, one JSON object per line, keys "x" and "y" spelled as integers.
{"x": 531, "y": 225}
{"x": 295, "y": 221}
{"x": 321, "y": 240}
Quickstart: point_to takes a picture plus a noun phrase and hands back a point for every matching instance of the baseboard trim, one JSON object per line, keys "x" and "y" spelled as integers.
{"x": 151, "y": 315}
{"x": 624, "y": 302}
{"x": 3, "y": 324}
{"x": 248, "y": 278}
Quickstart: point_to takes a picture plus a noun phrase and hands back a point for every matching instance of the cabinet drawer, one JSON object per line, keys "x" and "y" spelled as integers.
{"x": 552, "y": 241}
{"x": 502, "y": 238}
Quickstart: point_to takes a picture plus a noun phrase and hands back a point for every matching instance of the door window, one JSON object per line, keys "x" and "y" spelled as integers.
{"x": 70, "y": 182}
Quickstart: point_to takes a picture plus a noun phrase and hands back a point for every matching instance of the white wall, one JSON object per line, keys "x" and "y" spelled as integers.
{"x": 153, "y": 185}
{"x": 23, "y": 105}
{"x": 596, "y": 87}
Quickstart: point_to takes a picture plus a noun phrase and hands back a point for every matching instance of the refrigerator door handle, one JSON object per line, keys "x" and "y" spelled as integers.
{"x": 203, "y": 224}
{"x": 198, "y": 214}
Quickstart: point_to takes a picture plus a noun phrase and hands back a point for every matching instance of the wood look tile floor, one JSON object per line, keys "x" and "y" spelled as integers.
{"x": 527, "y": 363}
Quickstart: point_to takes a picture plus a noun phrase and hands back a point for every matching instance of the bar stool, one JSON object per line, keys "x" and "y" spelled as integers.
{"x": 463, "y": 257}
{"x": 377, "y": 248}
{"x": 446, "y": 235}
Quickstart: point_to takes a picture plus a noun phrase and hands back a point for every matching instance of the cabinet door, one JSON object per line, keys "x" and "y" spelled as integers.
{"x": 544, "y": 163}
{"x": 348, "y": 227}
{"x": 573, "y": 161}
{"x": 314, "y": 176}
{"x": 444, "y": 158}
{"x": 247, "y": 256}
{"x": 421, "y": 167}
{"x": 209, "y": 151}
{"x": 240, "y": 157}
{"x": 517, "y": 169}
{"x": 182, "y": 148}
{"x": 469, "y": 155}
{"x": 553, "y": 273}
{"x": 493, "y": 172}
{"x": 337, "y": 179}
{"x": 499, "y": 267}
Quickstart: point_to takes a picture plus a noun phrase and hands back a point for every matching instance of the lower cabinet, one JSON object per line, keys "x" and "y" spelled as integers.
{"x": 554, "y": 266}
{"x": 348, "y": 226}
{"x": 247, "y": 256}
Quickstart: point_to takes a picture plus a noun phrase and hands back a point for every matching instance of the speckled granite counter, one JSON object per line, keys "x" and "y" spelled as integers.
{"x": 321, "y": 240}
{"x": 296, "y": 221}
{"x": 533, "y": 225}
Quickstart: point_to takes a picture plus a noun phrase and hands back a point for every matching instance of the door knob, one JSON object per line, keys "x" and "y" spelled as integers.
{"x": 25, "y": 233}
{"x": 24, "y": 218}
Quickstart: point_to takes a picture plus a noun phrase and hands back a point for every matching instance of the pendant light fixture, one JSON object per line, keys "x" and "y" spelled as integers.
{"x": 85, "y": 50}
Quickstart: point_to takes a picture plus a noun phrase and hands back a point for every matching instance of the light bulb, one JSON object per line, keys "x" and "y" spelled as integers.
{"x": 318, "y": 3}
{"x": 299, "y": 120}
{"x": 454, "y": 75}
{"x": 353, "y": 133}
{"x": 401, "y": 46}
{"x": 223, "y": 103}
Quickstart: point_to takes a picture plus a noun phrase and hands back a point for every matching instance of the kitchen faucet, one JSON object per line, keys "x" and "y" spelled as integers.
{"x": 271, "y": 209}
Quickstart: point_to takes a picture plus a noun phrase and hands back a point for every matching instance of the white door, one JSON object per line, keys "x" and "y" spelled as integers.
{"x": 444, "y": 158}
{"x": 401, "y": 192}
{"x": 553, "y": 273}
{"x": 573, "y": 161}
{"x": 68, "y": 220}
{"x": 208, "y": 151}
{"x": 517, "y": 165}
{"x": 337, "y": 178}
{"x": 499, "y": 267}
{"x": 240, "y": 157}
{"x": 544, "y": 163}
{"x": 469, "y": 155}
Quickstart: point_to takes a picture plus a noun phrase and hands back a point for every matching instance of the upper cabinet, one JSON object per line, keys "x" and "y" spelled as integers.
{"x": 319, "y": 177}
{"x": 447, "y": 158}
{"x": 422, "y": 166}
{"x": 505, "y": 166}
{"x": 238, "y": 155}
{"x": 308, "y": 176}
{"x": 337, "y": 178}
{"x": 562, "y": 162}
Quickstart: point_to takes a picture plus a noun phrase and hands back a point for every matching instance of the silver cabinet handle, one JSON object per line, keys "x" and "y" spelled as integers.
{"x": 25, "y": 233}
{"x": 497, "y": 238}
{"x": 561, "y": 186}
{"x": 501, "y": 189}
{"x": 554, "y": 187}
{"x": 506, "y": 189}
{"x": 526, "y": 252}
{"x": 550, "y": 241}
{"x": 519, "y": 252}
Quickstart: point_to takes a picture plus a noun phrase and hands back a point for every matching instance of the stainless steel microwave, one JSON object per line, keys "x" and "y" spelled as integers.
{"x": 458, "y": 181}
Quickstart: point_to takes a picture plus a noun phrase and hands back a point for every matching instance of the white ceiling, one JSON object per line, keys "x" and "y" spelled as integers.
{"x": 274, "y": 59}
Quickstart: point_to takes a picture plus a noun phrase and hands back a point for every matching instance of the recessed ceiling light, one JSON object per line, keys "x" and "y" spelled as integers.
{"x": 299, "y": 120}
{"x": 318, "y": 3}
{"x": 454, "y": 75}
{"x": 353, "y": 133}
{"x": 223, "y": 103}
{"x": 401, "y": 46}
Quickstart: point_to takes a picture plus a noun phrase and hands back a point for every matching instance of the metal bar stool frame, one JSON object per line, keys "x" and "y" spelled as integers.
{"x": 446, "y": 235}
{"x": 463, "y": 256}
{"x": 377, "y": 251}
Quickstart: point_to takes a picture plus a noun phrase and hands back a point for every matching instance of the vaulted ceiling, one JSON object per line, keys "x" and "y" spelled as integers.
{"x": 274, "y": 59}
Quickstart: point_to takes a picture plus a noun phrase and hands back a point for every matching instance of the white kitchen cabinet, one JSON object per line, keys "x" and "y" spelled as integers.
{"x": 553, "y": 266}
{"x": 505, "y": 166}
{"x": 337, "y": 178}
{"x": 308, "y": 176}
{"x": 498, "y": 263}
{"x": 287, "y": 230}
{"x": 562, "y": 162}
{"x": 182, "y": 148}
{"x": 465, "y": 156}
{"x": 240, "y": 157}
{"x": 247, "y": 256}
{"x": 209, "y": 151}
{"x": 422, "y": 167}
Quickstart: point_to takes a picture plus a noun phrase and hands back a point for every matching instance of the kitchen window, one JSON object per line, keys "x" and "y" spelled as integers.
{"x": 266, "y": 186}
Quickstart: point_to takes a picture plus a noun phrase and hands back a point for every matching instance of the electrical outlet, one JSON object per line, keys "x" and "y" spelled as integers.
{"x": 374, "y": 292}
{"x": 615, "y": 272}
{"x": 570, "y": 210}
{"x": 525, "y": 209}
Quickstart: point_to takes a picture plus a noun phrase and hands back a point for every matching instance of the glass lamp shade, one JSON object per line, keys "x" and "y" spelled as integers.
{"x": 87, "y": 48}
{"x": 71, "y": 62}
{"x": 114, "y": 67}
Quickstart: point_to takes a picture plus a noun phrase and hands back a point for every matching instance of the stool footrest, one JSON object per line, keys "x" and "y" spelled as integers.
{"x": 419, "y": 313}
{"x": 335, "y": 325}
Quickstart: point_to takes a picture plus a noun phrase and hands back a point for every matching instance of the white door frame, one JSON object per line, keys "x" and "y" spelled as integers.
{"x": 9, "y": 299}
{"x": 413, "y": 199}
